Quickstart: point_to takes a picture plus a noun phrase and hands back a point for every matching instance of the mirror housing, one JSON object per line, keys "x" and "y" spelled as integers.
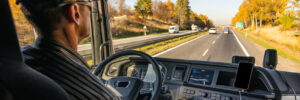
{"x": 270, "y": 59}
{"x": 238, "y": 59}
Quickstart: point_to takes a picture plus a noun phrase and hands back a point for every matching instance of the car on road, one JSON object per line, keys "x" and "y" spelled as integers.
{"x": 212, "y": 31}
{"x": 174, "y": 29}
{"x": 226, "y": 30}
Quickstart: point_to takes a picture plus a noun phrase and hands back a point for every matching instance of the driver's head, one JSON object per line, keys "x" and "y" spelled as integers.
{"x": 54, "y": 19}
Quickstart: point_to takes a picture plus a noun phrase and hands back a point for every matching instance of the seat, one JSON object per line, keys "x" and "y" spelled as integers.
{"x": 17, "y": 80}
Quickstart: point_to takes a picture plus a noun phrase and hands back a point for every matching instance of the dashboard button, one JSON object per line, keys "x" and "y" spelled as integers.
{"x": 228, "y": 98}
{"x": 205, "y": 94}
{"x": 223, "y": 97}
{"x": 192, "y": 92}
{"x": 168, "y": 78}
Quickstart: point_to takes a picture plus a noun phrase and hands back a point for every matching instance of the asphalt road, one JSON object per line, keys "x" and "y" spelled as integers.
{"x": 210, "y": 47}
{"x": 134, "y": 42}
{"x": 222, "y": 47}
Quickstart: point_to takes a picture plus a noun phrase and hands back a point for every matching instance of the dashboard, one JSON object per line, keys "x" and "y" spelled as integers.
{"x": 199, "y": 80}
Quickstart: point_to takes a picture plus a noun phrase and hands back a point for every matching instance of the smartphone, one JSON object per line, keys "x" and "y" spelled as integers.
{"x": 243, "y": 75}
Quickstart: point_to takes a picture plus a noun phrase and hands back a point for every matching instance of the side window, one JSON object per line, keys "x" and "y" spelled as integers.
{"x": 27, "y": 35}
{"x": 25, "y": 31}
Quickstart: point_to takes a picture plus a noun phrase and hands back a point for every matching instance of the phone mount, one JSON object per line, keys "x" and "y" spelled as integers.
{"x": 270, "y": 59}
{"x": 238, "y": 59}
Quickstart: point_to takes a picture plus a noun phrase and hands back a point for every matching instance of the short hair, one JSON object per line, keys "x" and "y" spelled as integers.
{"x": 43, "y": 16}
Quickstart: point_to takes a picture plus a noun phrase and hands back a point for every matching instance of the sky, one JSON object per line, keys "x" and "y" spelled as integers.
{"x": 220, "y": 11}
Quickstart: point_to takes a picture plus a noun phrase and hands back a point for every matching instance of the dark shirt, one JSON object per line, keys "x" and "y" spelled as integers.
{"x": 67, "y": 68}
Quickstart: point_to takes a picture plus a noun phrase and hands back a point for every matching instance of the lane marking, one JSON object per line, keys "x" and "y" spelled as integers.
{"x": 214, "y": 42}
{"x": 241, "y": 45}
{"x": 205, "y": 52}
{"x": 178, "y": 46}
{"x": 218, "y": 36}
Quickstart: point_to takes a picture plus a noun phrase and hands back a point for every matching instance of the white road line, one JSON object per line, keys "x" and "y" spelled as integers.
{"x": 214, "y": 42}
{"x": 205, "y": 52}
{"x": 243, "y": 48}
{"x": 178, "y": 46}
{"x": 218, "y": 37}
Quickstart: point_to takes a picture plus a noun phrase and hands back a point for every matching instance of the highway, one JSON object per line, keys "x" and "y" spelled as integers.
{"x": 134, "y": 42}
{"x": 210, "y": 47}
{"x": 221, "y": 48}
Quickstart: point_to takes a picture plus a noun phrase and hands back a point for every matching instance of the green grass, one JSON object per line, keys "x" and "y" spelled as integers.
{"x": 267, "y": 45}
{"x": 132, "y": 34}
{"x": 155, "y": 48}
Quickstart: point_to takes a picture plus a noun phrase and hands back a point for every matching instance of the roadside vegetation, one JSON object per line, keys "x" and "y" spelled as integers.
{"x": 129, "y": 21}
{"x": 24, "y": 29}
{"x": 156, "y": 48}
{"x": 156, "y": 15}
{"x": 272, "y": 24}
{"x": 164, "y": 45}
{"x": 282, "y": 50}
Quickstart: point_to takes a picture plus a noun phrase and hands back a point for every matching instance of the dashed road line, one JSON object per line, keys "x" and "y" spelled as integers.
{"x": 205, "y": 52}
{"x": 214, "y": 42}
{"x": 178, "y": 46}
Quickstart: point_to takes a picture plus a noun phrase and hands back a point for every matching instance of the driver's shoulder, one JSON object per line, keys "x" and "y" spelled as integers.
{"x": 30, "y": 53}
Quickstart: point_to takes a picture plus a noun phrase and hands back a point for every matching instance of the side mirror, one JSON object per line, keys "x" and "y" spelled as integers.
{"x": 270, "y": 59}
{"x": 238, "y": 59}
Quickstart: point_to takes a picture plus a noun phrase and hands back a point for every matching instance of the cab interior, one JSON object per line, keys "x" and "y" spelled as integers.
{"x": 136, "y": 75}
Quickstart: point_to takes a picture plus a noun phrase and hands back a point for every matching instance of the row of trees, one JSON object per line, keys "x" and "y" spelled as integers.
{"x": 262, "y": 12}
{"x": 179, "y": 13}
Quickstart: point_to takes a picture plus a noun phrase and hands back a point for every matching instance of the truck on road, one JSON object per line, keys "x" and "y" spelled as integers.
{"x": 174, "y": 29}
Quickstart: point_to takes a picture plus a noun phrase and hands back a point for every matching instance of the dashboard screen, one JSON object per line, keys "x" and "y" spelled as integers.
{"x": 201, "y": 76}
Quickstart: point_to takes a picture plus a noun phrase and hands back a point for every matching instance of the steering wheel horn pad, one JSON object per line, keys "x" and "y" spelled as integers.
{"x": 122, "y": 85}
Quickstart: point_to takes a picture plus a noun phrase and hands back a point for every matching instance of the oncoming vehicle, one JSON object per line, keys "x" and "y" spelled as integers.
{"x": 208, "y": 67}
{"x": 174, "y": 29}
{"x": 212, "y": 31}
{"x": 195, "y": 28}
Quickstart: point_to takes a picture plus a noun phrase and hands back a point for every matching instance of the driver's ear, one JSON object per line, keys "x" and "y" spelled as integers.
{"x": 73, "y": 14}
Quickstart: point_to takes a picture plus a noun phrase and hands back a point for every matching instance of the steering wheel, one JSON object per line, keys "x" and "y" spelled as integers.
{"x": 128, "y": 88}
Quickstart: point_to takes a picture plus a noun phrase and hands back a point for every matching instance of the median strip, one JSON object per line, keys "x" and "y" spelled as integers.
{"x": 159, "y": 47}
{"x": 156, "y": 48}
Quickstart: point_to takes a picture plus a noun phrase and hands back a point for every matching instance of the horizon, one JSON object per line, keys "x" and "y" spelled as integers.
{"x": 220, "y": 12}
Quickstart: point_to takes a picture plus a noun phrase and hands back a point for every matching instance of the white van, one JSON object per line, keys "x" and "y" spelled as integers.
{"x": 174, "y": 29}
{"x": 195, "y": 28}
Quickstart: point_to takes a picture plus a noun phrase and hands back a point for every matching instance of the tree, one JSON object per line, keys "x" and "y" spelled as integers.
{"x": 182, "y": 10}
{"x": 159, "y": 10}
{"x": 143, "y": 8}
{"x": 171, "y": 10}
{"x": 265, "y": 11}
{"x": 287, "y": 19}
{"x": 121, "y": 6}
{"x": 111, "y": 10}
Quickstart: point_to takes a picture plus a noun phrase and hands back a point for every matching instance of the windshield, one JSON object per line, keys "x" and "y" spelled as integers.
{"x": 243, "y": 28}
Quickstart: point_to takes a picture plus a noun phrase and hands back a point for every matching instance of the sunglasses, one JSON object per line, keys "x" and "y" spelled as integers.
{"x": 84, "y": 3}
